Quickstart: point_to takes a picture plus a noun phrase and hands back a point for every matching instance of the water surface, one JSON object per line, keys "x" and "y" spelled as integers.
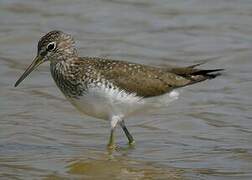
{"x": 205, "y": 134}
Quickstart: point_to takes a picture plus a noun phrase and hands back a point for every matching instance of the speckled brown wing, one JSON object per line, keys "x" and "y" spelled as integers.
{"x": 143, "y": 80}
{"x": 146, "y": 81}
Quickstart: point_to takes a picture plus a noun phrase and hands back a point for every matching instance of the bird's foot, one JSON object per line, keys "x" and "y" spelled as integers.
{"x": 132, "y": 143}
{"x": 111, "y": 146}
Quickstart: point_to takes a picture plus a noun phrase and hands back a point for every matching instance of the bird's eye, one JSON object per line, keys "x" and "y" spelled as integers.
{"x": 51, "y": 46}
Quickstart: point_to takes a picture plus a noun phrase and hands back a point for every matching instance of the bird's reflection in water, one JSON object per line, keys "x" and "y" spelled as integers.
{"x": 111, "y": 166}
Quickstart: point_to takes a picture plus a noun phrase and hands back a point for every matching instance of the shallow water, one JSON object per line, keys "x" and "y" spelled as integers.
{"x": 205, "y": 134}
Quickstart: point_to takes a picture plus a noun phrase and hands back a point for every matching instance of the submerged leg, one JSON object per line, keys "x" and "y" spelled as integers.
{"x": 127, "y": 133}
{"x": 111, "y": 143}
{"x": 113, "y": 123}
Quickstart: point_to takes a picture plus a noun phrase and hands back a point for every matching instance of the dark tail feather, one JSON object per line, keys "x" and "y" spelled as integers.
{"x": 193, "y": 74}
{"x": 190, "y": 71}
{"x": 207, "y": 73}
{"x": 201, "y": 75}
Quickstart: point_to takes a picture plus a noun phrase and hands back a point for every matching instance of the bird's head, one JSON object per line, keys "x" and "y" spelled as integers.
{"x": 54, "y": 46}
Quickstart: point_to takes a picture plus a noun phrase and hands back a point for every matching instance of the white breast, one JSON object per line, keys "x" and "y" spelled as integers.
{"x": 102, "y": 102}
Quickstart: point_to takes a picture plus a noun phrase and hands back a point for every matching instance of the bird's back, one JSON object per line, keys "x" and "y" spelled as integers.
{"x": 143, "y": 80}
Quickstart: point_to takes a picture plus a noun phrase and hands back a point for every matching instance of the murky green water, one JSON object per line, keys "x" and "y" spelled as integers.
{"x": 205, "y": 134}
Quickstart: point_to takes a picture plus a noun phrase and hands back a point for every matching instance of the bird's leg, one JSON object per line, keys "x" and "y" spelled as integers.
{"x": 111, "y": 144}
{"x": 113, "y": 123}
{"x": 129, "y": 136}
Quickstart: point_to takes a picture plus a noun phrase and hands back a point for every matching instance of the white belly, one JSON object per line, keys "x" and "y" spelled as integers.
{"x": 104, "y": 103}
